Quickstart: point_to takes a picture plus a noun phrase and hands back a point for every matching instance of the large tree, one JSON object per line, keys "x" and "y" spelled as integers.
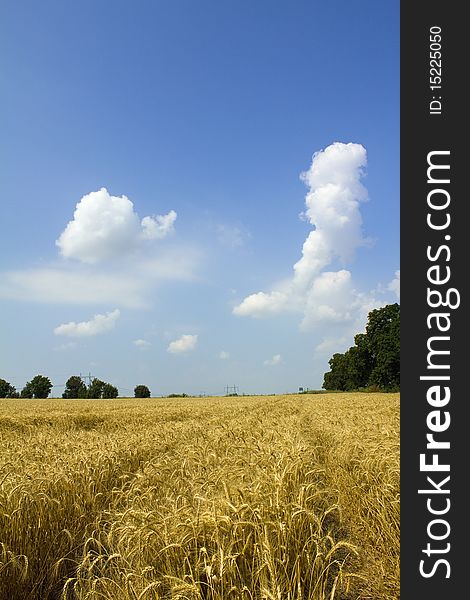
{"x": 27, "y": 391}
{"x": 110, "y": 391}
{"x": 383, "y": 335}
{"x": 359, "y": 366}
{"x": 336, "y": 378}
{"x": 101, "y": 389}
{"x": 38, "y": 387}
{"x": 7, "y": 390}
{"x": 374, "y": 360}
{"x": 75, "y": 388}
{"x": 95, "y": 389}
{"x": 141, "y": 391}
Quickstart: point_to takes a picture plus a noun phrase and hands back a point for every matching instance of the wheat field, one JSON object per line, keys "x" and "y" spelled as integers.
{"x": 252, "y": 498}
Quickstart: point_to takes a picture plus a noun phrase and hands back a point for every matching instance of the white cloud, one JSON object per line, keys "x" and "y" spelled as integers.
{"x": 262, "y": 304}
{"x": 328, "y": 346}
{"x": 394, "y": 285}
{"x": 184, "y": 344}
{"x": 331, "y": 299}
{"x": 332, "y": 204}
{"x": 177, "y": 264}
{"x": 141, "y": 343}
{"x": 275, "y": 360}
{"x": 159, "y": 226}
{"x": 98, "y": 324}
{"x": 105, "y": 226}
{"x": 332, "y": 201}
{"x": 224, "y": 355}
{"x": 131, "y": 285}
{"x": 60, "y": 286}
{"x": 338, "y": 335}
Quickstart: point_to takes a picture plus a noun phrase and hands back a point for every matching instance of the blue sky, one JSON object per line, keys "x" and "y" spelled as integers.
{"x": 222, "y": 265}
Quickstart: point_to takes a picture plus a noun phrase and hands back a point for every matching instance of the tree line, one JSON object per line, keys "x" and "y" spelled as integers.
{"x": 41, "y": 386}
{"x": 372, "y": 363}
{"x": 374, "y": 360}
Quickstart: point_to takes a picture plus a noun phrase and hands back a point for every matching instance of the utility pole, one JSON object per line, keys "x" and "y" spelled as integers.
{"x": 84, "y": 378}
{"x": 231, "y": 390}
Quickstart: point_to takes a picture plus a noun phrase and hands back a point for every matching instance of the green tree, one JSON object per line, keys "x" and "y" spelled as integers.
{"x": 141, "y": 391}
{"x": 109, "y": 391}
{"x": 27, "y": 391}
{"x": 374, "y": 360}
{"x": 75, "y": 388}
{"x": 336, "y": 378}
{"x": 95, "y": 389}
{"x": 383, "y": 339}
{"x": 38, "y": 387}
{"x": 7, "y": 390}
{"x": 359, "y": 364}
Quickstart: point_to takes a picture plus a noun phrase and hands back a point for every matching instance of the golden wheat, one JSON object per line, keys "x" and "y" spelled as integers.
{"x": 253, "y": 498}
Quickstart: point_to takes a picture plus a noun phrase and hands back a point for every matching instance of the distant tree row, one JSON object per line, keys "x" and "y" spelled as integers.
{"x": 374, "y": 360}
{"x": 76, "y": 388}
{"x": 41, "y": 386}
{"x": 38, "y": 387}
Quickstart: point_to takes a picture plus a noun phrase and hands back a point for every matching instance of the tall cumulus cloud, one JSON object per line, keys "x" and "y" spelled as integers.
{"x": 332, "y": 207}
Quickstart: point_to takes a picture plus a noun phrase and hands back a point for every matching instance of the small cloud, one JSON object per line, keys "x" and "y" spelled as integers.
{"x": 328, "y": 346}
{"x": 275, "y": 360}
{"x": 262, "y": 304}
{"x": 98, "y": 324}
{"x": 104, "y": 227}
{"x": 158, "y": 227}
{"x": 224, "y": 355}
{"x": 394, "y": 285}
{"x": 184, "y": 344}
{"x": 141, "y": 343}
